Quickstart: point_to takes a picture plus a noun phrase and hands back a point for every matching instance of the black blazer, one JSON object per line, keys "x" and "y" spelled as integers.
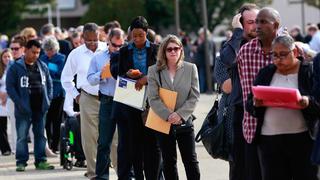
{"x": 305, "y": 86}
{"x": 125, "y": 58}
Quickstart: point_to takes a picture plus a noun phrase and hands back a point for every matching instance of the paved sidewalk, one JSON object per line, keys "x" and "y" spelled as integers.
{"x": 211, "y": 169}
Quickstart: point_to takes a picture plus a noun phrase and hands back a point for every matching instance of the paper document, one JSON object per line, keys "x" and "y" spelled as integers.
{"x": 106, "y": 71}
{"x": 169, "y": 98}
{"x": 277, "y": 96}
{"x": 126, "y": 93}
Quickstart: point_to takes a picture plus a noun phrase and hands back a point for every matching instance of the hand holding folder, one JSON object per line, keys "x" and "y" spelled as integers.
{"x": 105, "y": 72}
{"x": 169, "y": 98}
{"x": 277, "y": 96}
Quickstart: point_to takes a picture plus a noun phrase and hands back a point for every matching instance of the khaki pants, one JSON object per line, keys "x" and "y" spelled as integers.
{"x": 89, "y": 113}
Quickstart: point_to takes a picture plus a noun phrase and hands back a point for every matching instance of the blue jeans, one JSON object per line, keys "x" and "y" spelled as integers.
{"x": 107, "y": 126}
{"x": 23, "y": 123}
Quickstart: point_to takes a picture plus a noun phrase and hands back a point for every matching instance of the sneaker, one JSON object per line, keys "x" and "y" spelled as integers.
{"x": 80, "y": 164}
{"x": 7, "y": 153}
{"x": 44, "y": 166}
{"x": 20, "y": 168}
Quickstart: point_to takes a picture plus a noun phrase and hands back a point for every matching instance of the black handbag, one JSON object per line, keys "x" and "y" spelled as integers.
{"x": 213, "y": 135}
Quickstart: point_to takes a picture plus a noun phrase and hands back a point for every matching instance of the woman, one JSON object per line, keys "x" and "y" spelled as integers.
{"x": 172, "y": 73}
{"x": 55, "y": 63}
{"x": 284, "y": 144}
{"x": 138, "y": 146}
{"x": 6, "y": 57}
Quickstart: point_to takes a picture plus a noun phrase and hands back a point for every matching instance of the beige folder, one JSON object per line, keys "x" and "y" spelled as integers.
{"x": 106, "y": 71}
{"x": 169, "y": 98}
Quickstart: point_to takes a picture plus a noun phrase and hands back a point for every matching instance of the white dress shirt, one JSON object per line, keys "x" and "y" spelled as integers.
{"x": 78, "y": 63}
{"x": 68, "y": 105}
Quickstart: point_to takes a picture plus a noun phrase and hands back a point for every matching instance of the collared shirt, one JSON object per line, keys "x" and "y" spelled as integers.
{"x": 106, "y": 86}
{"x": 251, "y": 59}
{"x": 315, "y": 42}
{"x": 68, "y": 105}
{"x": 140, "y": 57}
{"x": 78, "y": 63}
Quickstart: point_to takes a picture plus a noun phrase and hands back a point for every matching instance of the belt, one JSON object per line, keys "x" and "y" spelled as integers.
{"x": 94, "y": 96}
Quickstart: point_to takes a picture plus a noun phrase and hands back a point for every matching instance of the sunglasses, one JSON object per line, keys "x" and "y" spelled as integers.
{"x": 15, "y": 48}
{"x": 175, "y": 49}
{"x": 116, "y": 45}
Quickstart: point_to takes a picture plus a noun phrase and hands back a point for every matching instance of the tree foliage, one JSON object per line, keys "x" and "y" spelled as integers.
{"x": 102, "y": 11}
{"x": 160, "y": 13}
{"x": 315, "y": 3}
{"x": 11, "y": 12}
{"x": 11, "y": 15}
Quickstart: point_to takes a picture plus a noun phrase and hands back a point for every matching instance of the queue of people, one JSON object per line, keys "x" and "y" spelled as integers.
{"x": 40, "y": 79}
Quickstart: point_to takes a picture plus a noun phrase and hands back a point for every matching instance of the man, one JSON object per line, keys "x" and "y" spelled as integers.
{"x": 78, "y": 63}
{"x": 30, "y": 87}
{"x": 251, "y": 58}
{"x": 107, "y": 124}
{"x": 17, "y": 46}
{"x": 244, "y": 30}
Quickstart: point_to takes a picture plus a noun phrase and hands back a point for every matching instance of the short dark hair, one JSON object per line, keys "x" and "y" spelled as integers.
{"x": 33, "y": 43}
{"x": 21, "y": 40}
{"x": 90, "y": 27}
{"x": 111, "y": 25}
{"x": 116, "y": 32}
{"x": 139, "y": 23}
{"x": 47, "y": 29}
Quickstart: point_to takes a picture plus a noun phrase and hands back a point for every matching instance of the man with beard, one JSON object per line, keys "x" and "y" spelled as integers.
{"x": 244, "y": 30}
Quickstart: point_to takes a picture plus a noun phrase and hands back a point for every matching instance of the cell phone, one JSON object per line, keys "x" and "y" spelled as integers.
{"x": 241, "y": 20}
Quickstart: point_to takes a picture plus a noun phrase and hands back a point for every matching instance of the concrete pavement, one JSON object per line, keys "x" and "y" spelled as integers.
{"x": 211, "y": 169}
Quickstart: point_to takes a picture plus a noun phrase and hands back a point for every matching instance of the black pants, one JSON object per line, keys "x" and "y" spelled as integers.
{"x": 186, "y": 144}
{"x": 237, "y": 165}
{"x": 4, "y": 144}
{"x": 74, "y": 125}
{"x": 252, "y": 164}
{"x": 137, "y": 145}
{"x": 287, "y": 157}
{"x": 53, "y": 122}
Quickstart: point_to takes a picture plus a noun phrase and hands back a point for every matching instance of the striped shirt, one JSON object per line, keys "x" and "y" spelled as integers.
{"x": 251, "y": 58}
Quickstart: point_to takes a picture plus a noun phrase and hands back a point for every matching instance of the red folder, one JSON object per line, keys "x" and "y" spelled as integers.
{"x": 277, "y": 96}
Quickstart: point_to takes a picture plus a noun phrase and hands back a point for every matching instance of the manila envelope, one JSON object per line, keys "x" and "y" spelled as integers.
{"x": 106, "y": 71}
{"x": 169, "y": 98}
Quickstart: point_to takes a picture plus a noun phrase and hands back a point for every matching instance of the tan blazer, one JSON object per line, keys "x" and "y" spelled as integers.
{"x": 186, "y": 83}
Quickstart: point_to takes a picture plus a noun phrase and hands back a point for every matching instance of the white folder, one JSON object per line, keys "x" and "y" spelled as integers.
{"x": 126, "y": 93}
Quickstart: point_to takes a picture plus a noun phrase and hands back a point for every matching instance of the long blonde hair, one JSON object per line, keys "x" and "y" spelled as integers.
{"x": 161, "y": 56}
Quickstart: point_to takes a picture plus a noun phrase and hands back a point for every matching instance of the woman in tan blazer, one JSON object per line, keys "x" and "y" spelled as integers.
{"x": 172, "y": 73}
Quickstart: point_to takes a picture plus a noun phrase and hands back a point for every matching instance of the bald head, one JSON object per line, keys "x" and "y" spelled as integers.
{"x": 267, "y": 24}
{"x": 271, "y": 13}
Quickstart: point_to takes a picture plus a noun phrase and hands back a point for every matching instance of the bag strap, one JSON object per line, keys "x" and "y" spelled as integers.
{"x": 160, "y": 78}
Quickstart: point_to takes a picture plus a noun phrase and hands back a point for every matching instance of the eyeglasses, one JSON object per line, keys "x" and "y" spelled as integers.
{"x": 282, "y": 55}
{"x": 175, "y": 49}
{"x": 116, "y": 45}
{"x": 15, "y": 48}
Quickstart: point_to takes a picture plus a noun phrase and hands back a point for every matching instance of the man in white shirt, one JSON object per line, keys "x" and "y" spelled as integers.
{"x": 78, "y": 63}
